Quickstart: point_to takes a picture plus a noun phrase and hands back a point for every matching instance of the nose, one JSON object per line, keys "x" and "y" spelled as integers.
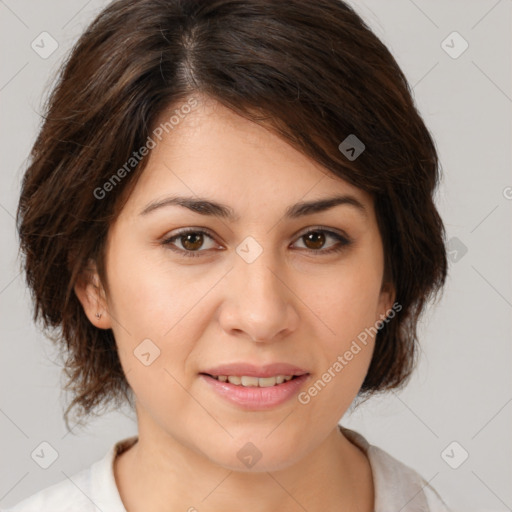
{"x": 258, "y": 302}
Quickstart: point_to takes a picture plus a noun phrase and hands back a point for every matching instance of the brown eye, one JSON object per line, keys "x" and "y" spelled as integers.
{"x": 314, "y": 240}
{"x": 192, "y": 241}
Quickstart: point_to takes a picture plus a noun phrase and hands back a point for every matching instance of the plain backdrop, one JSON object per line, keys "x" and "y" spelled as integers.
{"x": 459, "y": 403}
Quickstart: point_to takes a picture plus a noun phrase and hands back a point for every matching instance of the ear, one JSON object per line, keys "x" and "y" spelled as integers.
{"x": 92, "y": 296}
{"x": 386, "y": 301}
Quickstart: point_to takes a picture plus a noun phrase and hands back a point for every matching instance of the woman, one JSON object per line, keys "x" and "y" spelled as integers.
{"x": 229, "y": 217}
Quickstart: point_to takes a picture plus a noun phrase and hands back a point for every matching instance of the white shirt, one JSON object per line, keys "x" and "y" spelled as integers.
{"x": 397, "y": 487}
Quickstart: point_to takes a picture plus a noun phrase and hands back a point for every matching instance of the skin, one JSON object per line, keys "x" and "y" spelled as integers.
{"x": 289, "y": 305}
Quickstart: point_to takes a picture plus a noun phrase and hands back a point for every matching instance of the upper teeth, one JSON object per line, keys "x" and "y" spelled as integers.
{"x": 262, "y": 382}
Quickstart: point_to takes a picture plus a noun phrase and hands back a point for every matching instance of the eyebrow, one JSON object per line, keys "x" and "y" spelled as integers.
{"x": 205, "y": 206}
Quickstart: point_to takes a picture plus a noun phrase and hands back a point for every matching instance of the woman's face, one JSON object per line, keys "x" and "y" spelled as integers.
{"x": 271, "y": 287}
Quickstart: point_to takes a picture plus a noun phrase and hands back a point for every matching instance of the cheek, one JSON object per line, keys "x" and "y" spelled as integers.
{"x": 345, "y": 304}
{"x": 346, "y": 300}
{"x": 155, "y": 333}
{"x": 344, "y": 346}
{"x": 152, "y": 311}
{"x": 148, "y": 296}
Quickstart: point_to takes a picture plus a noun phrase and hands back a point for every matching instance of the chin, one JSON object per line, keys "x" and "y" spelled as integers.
{"x": 255, "y": 453}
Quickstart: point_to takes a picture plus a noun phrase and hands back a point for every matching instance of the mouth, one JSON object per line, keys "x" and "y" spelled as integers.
{"x": 253, "y": 382}
{"x": 255, "y": 388}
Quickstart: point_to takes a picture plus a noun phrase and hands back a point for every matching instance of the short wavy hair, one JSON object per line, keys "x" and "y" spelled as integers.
{"x": 312, "y": 72}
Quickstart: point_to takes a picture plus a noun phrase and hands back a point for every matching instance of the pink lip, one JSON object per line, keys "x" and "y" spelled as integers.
{"x": 269, "y": 370}
{"x": 256, "y": 398}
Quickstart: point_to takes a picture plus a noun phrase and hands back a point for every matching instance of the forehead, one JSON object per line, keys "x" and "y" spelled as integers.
{"x": 213, "y": 152}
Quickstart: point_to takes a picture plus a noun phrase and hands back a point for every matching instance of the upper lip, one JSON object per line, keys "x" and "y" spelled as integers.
{"x": 250, "y": 370}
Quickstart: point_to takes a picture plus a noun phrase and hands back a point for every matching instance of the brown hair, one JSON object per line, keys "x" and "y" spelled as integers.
{"x": 312, "y": 72}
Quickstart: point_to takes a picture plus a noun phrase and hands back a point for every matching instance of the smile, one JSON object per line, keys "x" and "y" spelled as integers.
{"x": 248, "y": 381}
{"x": 255, "y": 393}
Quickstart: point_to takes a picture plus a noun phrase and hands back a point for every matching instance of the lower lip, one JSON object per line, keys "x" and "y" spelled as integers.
{"x": 256, "y": 398}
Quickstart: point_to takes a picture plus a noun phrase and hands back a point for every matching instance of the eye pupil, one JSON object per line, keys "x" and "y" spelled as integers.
{"x": 317, "y": 238}
{"x": 192, "y": 241}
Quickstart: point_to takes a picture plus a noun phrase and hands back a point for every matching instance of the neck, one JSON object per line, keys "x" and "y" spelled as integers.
{"x": 163, "y": 477}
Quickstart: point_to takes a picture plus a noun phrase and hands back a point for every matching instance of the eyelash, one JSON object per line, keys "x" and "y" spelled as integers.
{"x": 343, "y": 242}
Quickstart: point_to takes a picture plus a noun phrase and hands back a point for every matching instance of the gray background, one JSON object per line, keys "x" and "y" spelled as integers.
{"x": 462, "y": 389}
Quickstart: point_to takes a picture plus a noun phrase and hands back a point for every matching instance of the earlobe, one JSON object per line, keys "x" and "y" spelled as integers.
{"x": 386, "y": 300}
{"x": 91, "y": 294}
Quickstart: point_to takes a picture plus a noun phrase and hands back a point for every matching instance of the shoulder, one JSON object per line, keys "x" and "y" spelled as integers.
{"x": 66, "y": 495}
{"x": 91, "y": 489}
{"x": 397, "y": 486}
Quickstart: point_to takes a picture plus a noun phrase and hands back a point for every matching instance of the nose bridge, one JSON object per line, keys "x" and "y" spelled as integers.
{"x": 259, "y": 279}
{"x": 260, "y": 285}
{"x": 260, "y": 303}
